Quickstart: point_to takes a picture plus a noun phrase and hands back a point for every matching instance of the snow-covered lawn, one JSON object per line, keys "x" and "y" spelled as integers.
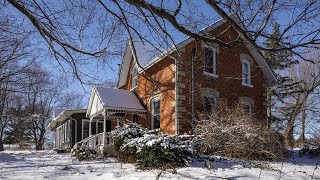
{"x": 49, "y": 165}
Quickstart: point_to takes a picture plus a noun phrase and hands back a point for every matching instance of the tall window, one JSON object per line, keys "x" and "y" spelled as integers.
{"x": 155, "y": 110}
{"x": 210, "y": 61}
{"x": 85, "y": 128}
{"x": 134, "y": 76}
{"x": 209, "y": 103}
{"x": 246, "y": 73}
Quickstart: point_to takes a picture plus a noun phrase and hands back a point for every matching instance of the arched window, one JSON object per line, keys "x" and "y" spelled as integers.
{"x": 247, "y": 104}
{"x": 209, "y": 103}
{"x": 134, "y": 76}
{"x": 210, "y": 60}
{"x": 209, "y": 99}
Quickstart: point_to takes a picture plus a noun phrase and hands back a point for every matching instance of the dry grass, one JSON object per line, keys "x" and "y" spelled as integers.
{"x": 312, "y": 147}
{"x": 232, "y": 133}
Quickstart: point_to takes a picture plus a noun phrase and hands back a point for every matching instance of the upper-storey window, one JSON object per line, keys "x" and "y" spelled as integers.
{"x": 210, "y": 61}
{"x": 246, "y": 73}
{"x": 134, "y": 76}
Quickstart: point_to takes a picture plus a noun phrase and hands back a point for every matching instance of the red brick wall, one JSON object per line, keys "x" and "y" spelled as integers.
{"x": 229, "y": 82}
{"x": 160, "y": 77}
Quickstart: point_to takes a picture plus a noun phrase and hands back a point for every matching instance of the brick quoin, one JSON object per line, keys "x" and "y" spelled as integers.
{"x": 160, "y": 79}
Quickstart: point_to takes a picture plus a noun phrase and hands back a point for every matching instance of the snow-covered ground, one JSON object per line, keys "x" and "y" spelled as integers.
{"x": 49, "y": 165}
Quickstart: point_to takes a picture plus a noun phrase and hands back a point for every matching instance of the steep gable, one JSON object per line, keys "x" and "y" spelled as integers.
{"x": 145, "y": 52}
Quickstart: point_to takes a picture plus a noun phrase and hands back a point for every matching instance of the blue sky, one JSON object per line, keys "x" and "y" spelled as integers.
{"x": 106, "y": 69}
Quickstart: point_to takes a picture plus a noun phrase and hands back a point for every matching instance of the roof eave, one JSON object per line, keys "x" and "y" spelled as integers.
{"x": 262, "y": 63}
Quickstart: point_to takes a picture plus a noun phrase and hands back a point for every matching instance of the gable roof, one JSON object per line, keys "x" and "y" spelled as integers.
{"x": 118, "y": 98}
{"x": 147, "y": 57}
{"x": 146, "y": 53}
{"x": 109, "y": 98}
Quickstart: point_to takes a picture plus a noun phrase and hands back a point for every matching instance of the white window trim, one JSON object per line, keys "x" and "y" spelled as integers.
{"x": 152, "y": 120}
{"x": 82, "y": 126}
{"x": 214, "y": 74}
{"x": 136, "y": 77}
{"x": 244, "y": 61}
{"x": 210, "y": 74}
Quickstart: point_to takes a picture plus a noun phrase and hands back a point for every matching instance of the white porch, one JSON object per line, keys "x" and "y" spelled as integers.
{"x": 109, "y": 107}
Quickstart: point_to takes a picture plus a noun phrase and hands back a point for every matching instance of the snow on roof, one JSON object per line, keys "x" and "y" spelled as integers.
{"x": 118, "y": 98}
{"x": 62, "y": 115}
{"x": 57, "y": 111}
{"x": 145, "y": 52}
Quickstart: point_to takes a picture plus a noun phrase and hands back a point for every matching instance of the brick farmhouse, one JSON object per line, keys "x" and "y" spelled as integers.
{"x": 165, "y": 92}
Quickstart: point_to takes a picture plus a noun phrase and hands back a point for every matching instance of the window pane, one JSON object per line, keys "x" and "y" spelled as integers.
{"x": 134, "y": 82}
{"x": 245, "y": 78}
{"x": 135, "y": 71}
{"x": 156, "y": 107}
{"x": 209, "y": 104}
{"x": 246, "y": 108}
{"x": 246, "y": 73}
{"x": 245, "y": 68}
{"x": 156, "y": 113}
{"x": 156, "y": 121}
{"x": 134, "y": 77}
{"x": 209, "y": 63}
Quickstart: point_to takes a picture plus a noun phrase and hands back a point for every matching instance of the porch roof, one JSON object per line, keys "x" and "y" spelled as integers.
{"x": 113, "y": 100}
{"x": 63, "y": 115}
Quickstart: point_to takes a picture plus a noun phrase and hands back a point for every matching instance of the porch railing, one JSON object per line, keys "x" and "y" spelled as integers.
{"x": 96, "y": 141}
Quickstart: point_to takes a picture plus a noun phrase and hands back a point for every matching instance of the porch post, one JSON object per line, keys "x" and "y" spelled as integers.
{"x": 90, "y": 131}
{"x": 104, "y": 126}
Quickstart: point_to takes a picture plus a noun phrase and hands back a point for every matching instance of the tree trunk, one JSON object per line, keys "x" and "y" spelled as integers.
{"x": 39, "y": 144}
{"x": 301, "y": 140}
{"x": 269, "y": 97}
{"x": 1, "y": 145}
{"x": 288, "y": 134}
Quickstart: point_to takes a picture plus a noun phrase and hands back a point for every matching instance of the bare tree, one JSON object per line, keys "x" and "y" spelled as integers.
{"x": 15, "y": 57}
{"x": 42, "y": 94}
{"x": 158, "y": 18}
{"x": 306, "y": 75}
{"x": 30, "y": 112}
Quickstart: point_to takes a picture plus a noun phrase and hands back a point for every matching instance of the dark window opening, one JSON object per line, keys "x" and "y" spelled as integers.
{"x": 155, "y": 105}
